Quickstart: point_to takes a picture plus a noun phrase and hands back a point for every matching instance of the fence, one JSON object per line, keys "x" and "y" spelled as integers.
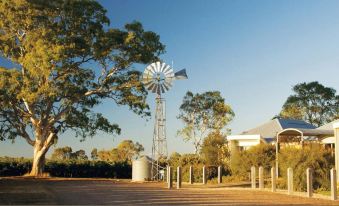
{"x": 255, "y": 182}
{"x": 290, "y": 187}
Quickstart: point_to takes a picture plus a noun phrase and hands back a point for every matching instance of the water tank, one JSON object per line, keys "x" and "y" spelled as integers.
{"x": 141, "y": 169}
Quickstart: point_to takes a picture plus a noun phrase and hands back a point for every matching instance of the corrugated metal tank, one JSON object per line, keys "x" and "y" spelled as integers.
{"x": 141, "y": 169}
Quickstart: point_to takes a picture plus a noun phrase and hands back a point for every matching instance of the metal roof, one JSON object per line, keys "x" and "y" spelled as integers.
{"x": 291, "y": 123}
{"x": 272, "y": 127}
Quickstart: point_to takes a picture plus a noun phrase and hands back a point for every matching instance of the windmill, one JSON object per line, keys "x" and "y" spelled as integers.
{"x": 158, "y": 78}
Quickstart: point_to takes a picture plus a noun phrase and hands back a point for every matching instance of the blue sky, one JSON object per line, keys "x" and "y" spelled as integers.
{"x": 252, "y": 51}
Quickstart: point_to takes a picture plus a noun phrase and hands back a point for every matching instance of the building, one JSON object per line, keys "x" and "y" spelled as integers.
{"x": 265, "y": 133}
{"x": 329, "y": 141}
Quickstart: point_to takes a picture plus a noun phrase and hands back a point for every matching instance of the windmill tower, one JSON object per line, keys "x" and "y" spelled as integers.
{"x": 158, "y": 78}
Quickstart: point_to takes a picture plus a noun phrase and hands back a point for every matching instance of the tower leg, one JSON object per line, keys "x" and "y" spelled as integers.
{"x": 159, "y": 146}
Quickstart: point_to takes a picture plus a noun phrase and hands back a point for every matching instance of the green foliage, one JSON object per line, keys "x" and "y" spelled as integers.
{"x": 52, "y": 87}
{"x": 312, "y": 156}
{"x": 124, "y": 152}
{"x": 65, "y": 153}
{"x": 259, "y": 155}
{"x": 214, "y": 150}
{"x": 313, "y": 103}
{"x": 68, "y": 168}
{"x": 202, "y": 114}
{"x": 79, "y": 155}
{"x": 187, "y": 160}
{"x": 14, "y": 166}
{"x": 94, "y": 154}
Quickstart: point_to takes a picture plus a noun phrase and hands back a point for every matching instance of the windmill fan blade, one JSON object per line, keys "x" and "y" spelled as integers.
{"x": 169, "y": 73}
{"x": 147, "y": 82}
{"x": 148, "y": 69}
{"x": 151, "y": 86}
{"x": 157, "y": 67}
{"x": 152, "y": 68}
{"x": 147, "y": 76}
{"x": 162, "y": 88}
{"x": 181, "y": 74}
{"x": 166, "y": 69}
{"x": 162, "y": 68}
{"x": 168, "y": 84}
{"x": 155, "y": 88}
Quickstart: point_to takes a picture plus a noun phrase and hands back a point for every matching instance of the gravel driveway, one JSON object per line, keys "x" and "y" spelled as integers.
{"x": 113, "y": 192}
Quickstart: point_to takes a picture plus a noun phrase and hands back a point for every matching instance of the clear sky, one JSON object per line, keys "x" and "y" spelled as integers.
{"x": 252, "y": 51}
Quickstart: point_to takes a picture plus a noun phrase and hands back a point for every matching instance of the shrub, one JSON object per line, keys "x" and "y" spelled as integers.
{"x": 187, "y": 160}
{"x": 259, "y": 155}
{"x": 312, "y": 156}
{"x": 14, "y": 166}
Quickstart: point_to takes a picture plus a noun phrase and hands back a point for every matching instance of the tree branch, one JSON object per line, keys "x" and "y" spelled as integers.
{"x": 48, "y": 142}
{"x": 26, "y": 136}
{"x": 54, "y": 119}
{"x": 30, "y": 111}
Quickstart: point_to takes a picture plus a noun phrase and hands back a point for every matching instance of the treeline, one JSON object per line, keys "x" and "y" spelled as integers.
{"x": 124, "y": 152}
{"x": 68, "y": 168}
{"x": 114, "y": 163}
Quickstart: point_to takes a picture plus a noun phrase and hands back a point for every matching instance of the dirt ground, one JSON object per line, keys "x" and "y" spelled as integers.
{"x": 114, "y": 192}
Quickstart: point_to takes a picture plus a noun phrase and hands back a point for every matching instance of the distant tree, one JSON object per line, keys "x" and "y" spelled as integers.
{"x": 53, "y": 86}
{"x": 63, "y": 153}
{"x": 124, "y": 152}
{"x": 202, "y": 114}
{"x": 94, "y": 154}
{"x": 312, "y": 102}
{"x": 105, "y": 155}
{"x": 214, "y": 149}
{"x": 127, "y": 149}
{"x": 79, "y": 155}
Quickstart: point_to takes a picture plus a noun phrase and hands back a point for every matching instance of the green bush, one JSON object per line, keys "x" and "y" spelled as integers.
{"x": 185, "y": 161}
{"x": 259, "y": 155}
{"x": 14, "y": 166}
{"x": 71, "y": 168}
{"x": 194, "y": 160}
{"x": 312, "y": 156}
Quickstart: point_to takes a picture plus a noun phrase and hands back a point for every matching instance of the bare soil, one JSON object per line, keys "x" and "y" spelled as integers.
{"x": 115, "y": 192}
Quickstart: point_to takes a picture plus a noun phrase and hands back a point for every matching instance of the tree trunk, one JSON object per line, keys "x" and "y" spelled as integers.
{"x": 38, "y": 160}
{"x": 38, "y": 166}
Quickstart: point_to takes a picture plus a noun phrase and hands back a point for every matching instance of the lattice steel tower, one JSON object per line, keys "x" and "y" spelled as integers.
{"x": 158, "y": 79}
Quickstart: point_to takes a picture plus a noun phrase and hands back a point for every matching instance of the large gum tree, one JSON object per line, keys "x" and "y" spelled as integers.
{"x": 66, "y": 60}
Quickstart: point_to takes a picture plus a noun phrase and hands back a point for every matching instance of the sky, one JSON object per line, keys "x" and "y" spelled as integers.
{"x": 252, "y": 51}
